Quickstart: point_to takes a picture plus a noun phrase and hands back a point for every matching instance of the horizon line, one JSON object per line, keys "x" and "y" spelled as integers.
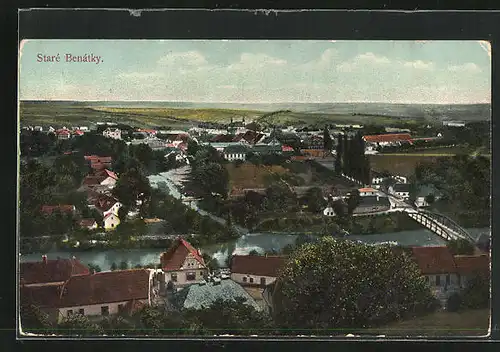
{"x": 255, "y": 103}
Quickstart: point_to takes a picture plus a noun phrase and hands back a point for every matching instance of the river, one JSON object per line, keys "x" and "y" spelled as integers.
{"x": 253, "y": 241}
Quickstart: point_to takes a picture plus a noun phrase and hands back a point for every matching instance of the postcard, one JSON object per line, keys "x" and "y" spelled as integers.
{"x": 172, "y": 188}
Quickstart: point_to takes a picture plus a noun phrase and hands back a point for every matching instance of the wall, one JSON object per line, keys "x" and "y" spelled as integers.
{"x": 94, "y": 310}
{"x": 454, "y": 281}
{"x": 256, "y": 279}
{"x": 181, "y": 276}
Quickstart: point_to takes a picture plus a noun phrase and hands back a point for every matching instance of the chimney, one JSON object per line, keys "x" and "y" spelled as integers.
{"x": 44, "y": 259}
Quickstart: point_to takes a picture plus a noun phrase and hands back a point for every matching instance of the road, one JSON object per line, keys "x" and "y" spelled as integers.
{"x": 174, "y": 179}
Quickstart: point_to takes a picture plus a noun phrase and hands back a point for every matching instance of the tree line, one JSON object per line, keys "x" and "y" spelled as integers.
{"x": 351, "y": 160}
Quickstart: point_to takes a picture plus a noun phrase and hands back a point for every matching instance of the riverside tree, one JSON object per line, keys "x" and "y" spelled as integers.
{"x": 335, "y": 284}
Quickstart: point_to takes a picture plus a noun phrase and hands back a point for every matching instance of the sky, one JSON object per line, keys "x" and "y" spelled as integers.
{"x": 258, "y": 71}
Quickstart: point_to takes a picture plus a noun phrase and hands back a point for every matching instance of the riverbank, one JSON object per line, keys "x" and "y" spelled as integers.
{"x": 359, "y": 225}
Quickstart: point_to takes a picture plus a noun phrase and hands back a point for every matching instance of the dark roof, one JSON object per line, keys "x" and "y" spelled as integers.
{"x": 197, "y": 296}
{"x": 370, "y": 201}
{"x": 86, "y": 222}
{"x": 470, "y": 264}
{"x": 257, "y": 265}
{"x": 50, "y": 271}
{"x": 236, "y": 149}
{"x": 174, "y": 258}
{"x": 221, "y": 138}
{"x": 263, "y": 148}
{"x": 401, "y": 187}
{"x": 106, "y": 287}
{"x": 434, "y": 260}
{"x": 93, "y": 180}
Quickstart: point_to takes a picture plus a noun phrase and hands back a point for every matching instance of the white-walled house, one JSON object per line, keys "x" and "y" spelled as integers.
{"x": 235, "y": 152}
{"x": 328, "y": 211}
{"x": 400, "y": 190}
{"x": 183, "y": 264}
{"x": 111, "y": 221}
{"x": 114, "y": 133}
{"x": 368, "y": 191}
{"x": 256, "y": 270}
{"x": 107, "y": 205}
{"x": 96, "y": 295}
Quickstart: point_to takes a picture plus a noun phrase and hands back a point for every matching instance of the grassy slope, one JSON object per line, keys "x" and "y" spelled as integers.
{"x": 474, "y": 322}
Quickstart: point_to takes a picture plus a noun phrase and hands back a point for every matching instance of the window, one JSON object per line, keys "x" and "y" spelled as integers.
{"x": 81, "y": 311}
{"x": 104, "y": 310}
{"x": 244, "y": 279}
{"x": 263, "y": 281}
{"x": 448, "y": 279}
{"x": 174, "y": 277}
{"x": 202, "y": 273}
{"x": 438, "y": 280}
{"x": 120, "y": 308}
{"x": 190, "y": 276}
{"x": 251, "y": 280}
{"x": 70, "y": 312}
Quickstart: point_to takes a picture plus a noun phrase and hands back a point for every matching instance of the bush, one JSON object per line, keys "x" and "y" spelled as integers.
{"x": 454, "y": 302}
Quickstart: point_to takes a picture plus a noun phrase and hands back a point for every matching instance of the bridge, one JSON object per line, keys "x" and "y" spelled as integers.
{"x": 440, "y": 224}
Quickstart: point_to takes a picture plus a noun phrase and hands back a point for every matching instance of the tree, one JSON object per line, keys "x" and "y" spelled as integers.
{"x": 477, "y": 291}
{"x": 327, "y": 140}
{"x": 123, "y": 265}
{"x": 342, "y": 284}
{"x": 33, "y": 319}
{"x": 253, "y": 252}
{"x": 78, "y": 324}
{"x": 279, "y": 197}
{"x": 94, "y": 267}
{"x": 460, "y": 247}
{"x": 430, "y": 198}
{"x": 113, "y": 266}
{"x": 353, "y": 200}
{"x": 130, "y": 187}
{"x": 454, "y": 302}
{"x": 315, "y": 200}
{"x": 210, "y": 262}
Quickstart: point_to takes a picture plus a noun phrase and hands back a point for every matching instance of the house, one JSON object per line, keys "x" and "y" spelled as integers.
{"x": 400, "y": 190}
{"x": 65, "y": 209}
{"x": 423, "y": 192}
{"x": 383, "y": 140}
{"x": 78, "y": 132}
{"x": 38, "y": 128}
{"x": 51, "y": 129}
{"x": 111, "y": 221}
{"x": 107, "y": 205}
{"x": 469, "y": 266}
{"x": 99, "y": 162}
{"x": 373, "y": 204}
{"x": 203, "y": 294}
{"x": 63, "y": 134}
{"x": 235, "y": 152}
{"x": 88, "y": 224}
{"x": 438, "y": 267}
{"x": 94, "y": 295}
{"x": 183, "y": 264}
{"x": 109, "y": 178}
{"x": 367, "y": 191}
{"x": 50, "y": 271}
{"x": 256, "y": 270}
{"x": 112, "y": 133}
{"x": 329, "y": 211}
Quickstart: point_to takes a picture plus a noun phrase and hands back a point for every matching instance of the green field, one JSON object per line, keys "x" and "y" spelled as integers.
{"x": 78, "y": 113}
{"x": 400, "y": 164}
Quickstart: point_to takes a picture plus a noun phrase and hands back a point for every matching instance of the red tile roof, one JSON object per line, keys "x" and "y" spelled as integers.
{"x": 49, "y": 209}
{"x": 257, "y": 265}
{"x": 388, "y": 137}
{"x": 46, "y": 296}
{"x": 470, "y": 264}
{"x": 106, "y": 287}
{"x": 104, "y": 203}
{"x": 93, "y": 180}
{"x": 87, "y": 222}
{"x": 434, "y": 260}
{"x": 51, "y": 271}
{"x": 286, "y": 148}
{"x": 111, "y": 174}
{"x": 174, "y": 258}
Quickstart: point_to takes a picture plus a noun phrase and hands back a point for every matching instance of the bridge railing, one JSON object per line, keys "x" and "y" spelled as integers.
{"x": 446, "y": 221}
{"x": 443, "y": 232}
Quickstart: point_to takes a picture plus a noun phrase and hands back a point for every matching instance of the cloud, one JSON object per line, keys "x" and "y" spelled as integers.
{"x": 249, "y": 61}
{"x": 468, "y": 67}
{"x": 419, "y": 65}
{"x": 187, "y": 58}
{"x": 139, "y": 75}
{"x": 372, "y": 58}
{"x": 363, "y": 61}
